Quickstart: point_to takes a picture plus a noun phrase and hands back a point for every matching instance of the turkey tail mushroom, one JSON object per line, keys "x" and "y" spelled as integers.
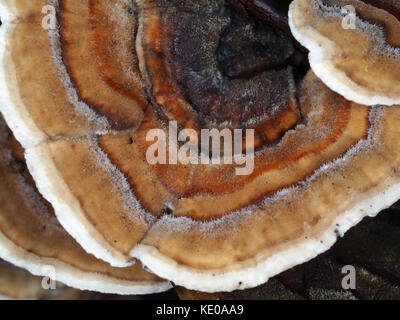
{"x": 32, "y": 238}
{"x": 321, "y": 162}
{"x": 356, "y": 54}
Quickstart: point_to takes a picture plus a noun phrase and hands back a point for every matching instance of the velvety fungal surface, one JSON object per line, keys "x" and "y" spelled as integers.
{"x": 326, "y": 152}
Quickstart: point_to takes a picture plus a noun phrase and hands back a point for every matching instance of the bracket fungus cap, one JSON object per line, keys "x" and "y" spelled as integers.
{"x": 32, "y": 238}
{"x": 356, "y": 52}
{"x": 322, "y": 163}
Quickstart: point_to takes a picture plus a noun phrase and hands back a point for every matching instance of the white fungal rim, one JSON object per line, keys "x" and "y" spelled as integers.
{"x": 41, "y": 166}
{"x": 250, "y": 277}
{"x": 321, "y": 48}
{"x": 68, "y": 209}
{"x": 15, "y": 112}
{"x": 74, "y": 277}
{"x": 70, "y": 214}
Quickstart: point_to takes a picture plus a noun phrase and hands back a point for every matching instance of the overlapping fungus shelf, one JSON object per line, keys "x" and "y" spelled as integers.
{"x": 32, "y": 238}
{"x": 85, "y": 98}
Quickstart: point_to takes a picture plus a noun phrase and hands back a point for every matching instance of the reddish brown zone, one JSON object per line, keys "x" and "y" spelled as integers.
{"x": 113, "y": 115}
{"x": 174, "y": 177}
{"x": 103, "y": 44}
{"x": 167, "y": 95}
{"x": 273, "y": 129}
{"x": 161, "y": 77}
